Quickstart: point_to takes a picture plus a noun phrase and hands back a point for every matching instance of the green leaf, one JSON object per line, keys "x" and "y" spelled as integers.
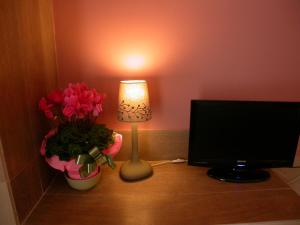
{"x": 78, "y": 137}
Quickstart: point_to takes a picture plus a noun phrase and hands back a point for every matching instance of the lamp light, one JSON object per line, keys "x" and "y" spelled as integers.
{"x": 134, "y": 107}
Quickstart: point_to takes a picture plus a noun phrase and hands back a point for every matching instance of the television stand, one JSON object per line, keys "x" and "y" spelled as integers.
{"x": 238, "y": 175}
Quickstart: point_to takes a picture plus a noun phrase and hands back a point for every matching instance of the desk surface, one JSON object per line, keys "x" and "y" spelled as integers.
{"x": 175, "y": 194}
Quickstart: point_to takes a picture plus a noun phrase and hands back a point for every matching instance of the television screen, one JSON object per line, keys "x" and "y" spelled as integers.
{"x": 243, "y": 135}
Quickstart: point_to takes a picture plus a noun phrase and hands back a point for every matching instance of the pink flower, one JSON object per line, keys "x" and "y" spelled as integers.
{"x": 82, "y": 100}
{"x": 43, "y": 104}
{"x": 68, "y": 111}
{"x": 77, "y": 101}
{"x": 98, "y": 107}
{"x": 56, "y": 96}
{"x": 49, "y": 114}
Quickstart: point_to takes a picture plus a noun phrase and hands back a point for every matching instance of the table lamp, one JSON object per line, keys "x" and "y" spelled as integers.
{"x": 133, "y": 108}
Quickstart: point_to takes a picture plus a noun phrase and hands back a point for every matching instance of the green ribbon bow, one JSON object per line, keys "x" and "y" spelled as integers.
{"x": 90, "y": 161}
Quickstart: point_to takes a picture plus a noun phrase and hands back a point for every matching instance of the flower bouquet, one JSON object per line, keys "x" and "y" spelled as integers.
{"x": 77, "y": 145}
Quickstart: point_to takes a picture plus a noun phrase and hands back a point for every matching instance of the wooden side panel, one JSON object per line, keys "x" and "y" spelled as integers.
{"x": 28, "y": 71}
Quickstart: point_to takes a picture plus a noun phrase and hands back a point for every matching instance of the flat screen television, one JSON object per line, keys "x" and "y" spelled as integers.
{"x": 237, "y": 139}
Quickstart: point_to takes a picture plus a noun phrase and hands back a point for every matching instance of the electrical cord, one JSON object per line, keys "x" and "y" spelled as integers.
{"x": 179, "y": 160}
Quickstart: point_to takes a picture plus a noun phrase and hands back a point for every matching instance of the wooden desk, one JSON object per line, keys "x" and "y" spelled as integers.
{"x": 175, "y": 194}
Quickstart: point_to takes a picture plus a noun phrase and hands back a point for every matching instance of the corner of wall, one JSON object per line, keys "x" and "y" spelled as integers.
{"x": 8, "y": 214}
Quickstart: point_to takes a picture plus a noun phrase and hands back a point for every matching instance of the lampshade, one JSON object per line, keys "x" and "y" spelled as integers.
{"x": 134, "y": 101}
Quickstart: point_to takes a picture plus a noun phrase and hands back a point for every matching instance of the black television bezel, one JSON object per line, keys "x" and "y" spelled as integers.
{"x": 259, "y": 164}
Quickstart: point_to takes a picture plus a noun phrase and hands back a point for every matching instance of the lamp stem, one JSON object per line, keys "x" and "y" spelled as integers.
{"x": 135, "y": 169}
{"x": 134, "y": 136}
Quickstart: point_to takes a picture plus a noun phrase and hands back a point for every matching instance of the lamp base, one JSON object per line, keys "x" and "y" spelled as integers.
{"x": 133, "y": 171}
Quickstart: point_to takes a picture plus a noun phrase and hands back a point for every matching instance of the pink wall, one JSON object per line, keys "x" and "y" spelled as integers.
{"x": 211, "y": 49}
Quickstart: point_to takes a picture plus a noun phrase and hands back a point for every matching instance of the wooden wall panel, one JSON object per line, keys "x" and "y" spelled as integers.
{"x": 156, "y": 144}
{"x": 28, "y": 71}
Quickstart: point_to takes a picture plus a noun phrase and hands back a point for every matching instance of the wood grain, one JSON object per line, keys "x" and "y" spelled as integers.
{"x": 156, "y": 144}
{"x": 28, "y": 72}
{"x": 26, "y": 189}
{"x": 175, "y": 194}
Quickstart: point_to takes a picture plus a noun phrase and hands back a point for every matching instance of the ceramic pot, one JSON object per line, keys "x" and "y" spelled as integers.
{"x": 83, "y": 184}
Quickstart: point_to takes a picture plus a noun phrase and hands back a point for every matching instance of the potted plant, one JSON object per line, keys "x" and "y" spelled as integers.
{"x": 77, "y": 145}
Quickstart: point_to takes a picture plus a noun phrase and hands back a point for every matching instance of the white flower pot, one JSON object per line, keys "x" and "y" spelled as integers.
{"x": 83, "y": 184}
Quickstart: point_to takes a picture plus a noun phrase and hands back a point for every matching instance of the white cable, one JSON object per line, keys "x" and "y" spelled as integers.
{"x": 179, "y": 160}
{"x": 170, "y": 161}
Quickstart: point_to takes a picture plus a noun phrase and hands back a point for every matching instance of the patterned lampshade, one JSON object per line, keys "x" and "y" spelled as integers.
{"x": 134, "y": 101}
